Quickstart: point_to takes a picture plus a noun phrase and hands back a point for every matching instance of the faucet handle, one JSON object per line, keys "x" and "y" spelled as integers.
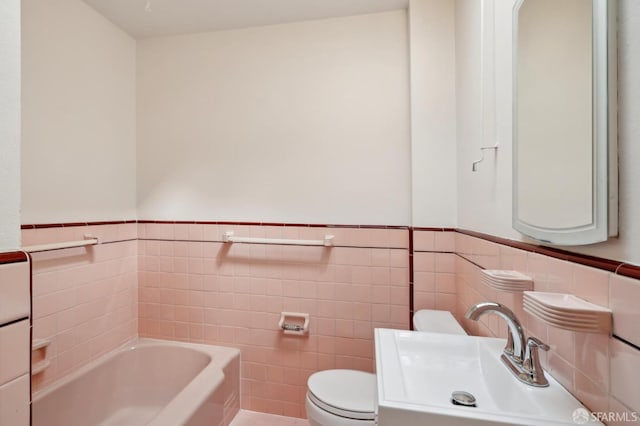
{"x": 531, "y": 364}
{"x": 534, "y": 342}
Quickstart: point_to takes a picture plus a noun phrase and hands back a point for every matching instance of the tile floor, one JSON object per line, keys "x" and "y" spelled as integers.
{"x": 252, "y": 418}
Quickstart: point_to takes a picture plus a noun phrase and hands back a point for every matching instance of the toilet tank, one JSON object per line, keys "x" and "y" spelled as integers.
{"x": 436, "y": 322}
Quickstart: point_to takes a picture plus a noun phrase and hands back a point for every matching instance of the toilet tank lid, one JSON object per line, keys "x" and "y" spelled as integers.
{"x": 436, "y": 322}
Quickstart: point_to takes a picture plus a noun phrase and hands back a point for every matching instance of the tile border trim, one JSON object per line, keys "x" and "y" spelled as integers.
{"x": 614, "y": 266}
{"x": 276, "y": 224}
{"x": 216, "y": 222}
{"x": 617, "y": 267}
{"x": 13, "y": 257}
{"x": 422, "y": 228}
{"x": 72, "y": 224}
{"x": 411, "y": 279}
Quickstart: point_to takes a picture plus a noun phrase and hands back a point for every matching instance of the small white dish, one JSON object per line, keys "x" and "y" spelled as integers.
{"x": 565, "y": 302}
{"x": 505, "y": 280}
{"x": 568, "y": 312}
{"x": 578, "y": 315}
{"x": 553, "y": 315}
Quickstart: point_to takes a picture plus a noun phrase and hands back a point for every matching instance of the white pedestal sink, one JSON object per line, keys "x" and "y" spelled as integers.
{"x": 418, "y": 372}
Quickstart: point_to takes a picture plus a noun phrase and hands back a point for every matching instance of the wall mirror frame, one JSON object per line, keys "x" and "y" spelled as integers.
{"x": 565, "y": 165}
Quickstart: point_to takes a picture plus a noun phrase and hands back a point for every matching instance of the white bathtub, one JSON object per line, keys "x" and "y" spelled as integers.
{"x": 147, "y": 382}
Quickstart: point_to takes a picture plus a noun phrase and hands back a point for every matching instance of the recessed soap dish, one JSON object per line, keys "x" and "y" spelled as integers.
{"x": 503, "y": 280}
{"x": 568, "y": 312}
{"x": 39, "y": 356}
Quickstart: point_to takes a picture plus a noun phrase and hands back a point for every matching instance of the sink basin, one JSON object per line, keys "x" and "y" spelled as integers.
{"x": 418, "y": 372}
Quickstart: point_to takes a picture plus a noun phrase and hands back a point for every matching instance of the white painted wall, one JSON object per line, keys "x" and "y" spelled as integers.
{"x": 303, "y": 122}
{"x": 78, "y": 115}
{"x": 9, "y": 125}
{"x": 484, "y": 197}
{"x": 433, "y": 112}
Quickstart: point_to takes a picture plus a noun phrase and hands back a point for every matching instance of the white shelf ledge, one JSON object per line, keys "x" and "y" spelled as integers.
{"x": 568, "y": 312}
{"x": 39, "y": 344}
{"x": 40, "y": 367}
{"x": 503, "y": 280}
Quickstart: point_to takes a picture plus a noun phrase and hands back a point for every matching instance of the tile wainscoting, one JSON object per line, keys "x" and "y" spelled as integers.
{"x": 85, "y": 299}
{"x": 602, "y": 371}
{"x": 178, "y": 280}
{"x": 193, "y": 287}
{"x": 434, "y": 283}
{"x": 15, "y": 341}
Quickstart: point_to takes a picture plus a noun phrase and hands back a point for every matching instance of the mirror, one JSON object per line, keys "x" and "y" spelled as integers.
{"x": 564, "y": 132}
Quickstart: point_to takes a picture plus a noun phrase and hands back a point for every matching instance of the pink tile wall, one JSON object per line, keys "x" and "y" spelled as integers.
{"x": 14, "y": 288}
{"x": 194, "y": 288}
{"x": 84, "y": 299}
{"x": 434, "y": 284}
{"x": 601, "y": 371}
{"x": 190, "y": 286}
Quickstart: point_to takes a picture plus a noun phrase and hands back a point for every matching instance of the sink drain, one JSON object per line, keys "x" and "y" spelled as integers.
{"x": 463, "y": 398}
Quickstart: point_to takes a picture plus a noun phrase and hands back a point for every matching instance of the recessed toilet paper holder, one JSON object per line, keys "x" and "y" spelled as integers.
{"x": 294, "y": 323}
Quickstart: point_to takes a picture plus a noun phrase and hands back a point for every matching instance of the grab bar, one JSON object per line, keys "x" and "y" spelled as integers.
{"x": 228, "y": 237}
{"x": 89, "y": 241}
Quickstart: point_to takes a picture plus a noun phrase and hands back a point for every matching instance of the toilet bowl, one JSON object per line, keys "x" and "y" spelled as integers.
{"x": 347, "y": 397}
{"x": 341, "y": 398}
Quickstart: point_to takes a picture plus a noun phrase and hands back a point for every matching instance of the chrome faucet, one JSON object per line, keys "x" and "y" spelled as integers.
{"x": 521, "y": 358}
{"x": 515, "y": 338}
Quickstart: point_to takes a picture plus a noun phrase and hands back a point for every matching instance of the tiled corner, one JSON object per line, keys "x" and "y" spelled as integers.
{"x": 84, "y": 299}
{"x": 592, "y": 357}
{"x": 434, "y": 270}
{"x": 445, "y": 242}
{"x": 14, "y": 286}
{"x": 624, "y": 300}
{"x": 591, "y": 284}
{"x": 625, "y": 373}
{"x": 599, "y": 370}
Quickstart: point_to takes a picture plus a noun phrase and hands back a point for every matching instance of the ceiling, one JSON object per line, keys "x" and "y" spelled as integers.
{"x": 152, "y": 18}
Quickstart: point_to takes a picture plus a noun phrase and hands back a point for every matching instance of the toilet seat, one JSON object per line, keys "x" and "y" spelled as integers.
{"x": 344, "y": 393}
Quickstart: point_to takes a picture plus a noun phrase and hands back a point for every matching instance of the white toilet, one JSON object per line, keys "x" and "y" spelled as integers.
{"x": 347, "y": 397}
